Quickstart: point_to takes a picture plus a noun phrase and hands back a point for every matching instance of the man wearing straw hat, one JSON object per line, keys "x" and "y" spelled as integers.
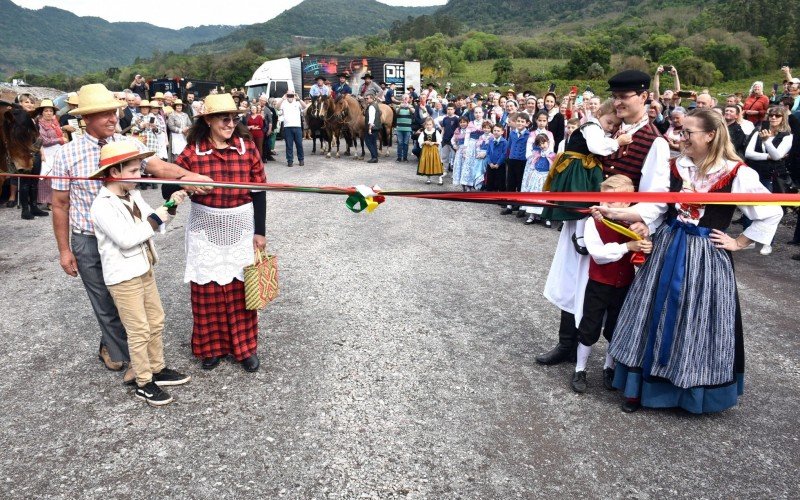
{"x": 72, "y": 222}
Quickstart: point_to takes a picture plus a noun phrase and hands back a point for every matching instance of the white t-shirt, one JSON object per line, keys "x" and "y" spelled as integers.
{"x": 291, "y": 114}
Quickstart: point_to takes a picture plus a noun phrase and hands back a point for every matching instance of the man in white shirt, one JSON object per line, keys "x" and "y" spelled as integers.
{"x": 292, "y": 110}
{"x": 319, "y": 89}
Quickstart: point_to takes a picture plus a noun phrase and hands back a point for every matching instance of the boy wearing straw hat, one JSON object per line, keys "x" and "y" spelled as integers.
{"x": 124, "y": 227}
{"x": 72, "y": 199}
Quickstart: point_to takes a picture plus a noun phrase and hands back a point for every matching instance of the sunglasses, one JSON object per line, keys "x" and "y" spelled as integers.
{"x": 227, "y": 119}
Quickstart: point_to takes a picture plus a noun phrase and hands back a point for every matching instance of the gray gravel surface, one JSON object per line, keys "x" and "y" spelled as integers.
{"x": 396, "y": 363}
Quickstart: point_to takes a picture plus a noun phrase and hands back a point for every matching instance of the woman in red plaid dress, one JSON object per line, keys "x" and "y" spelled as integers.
{"x": 224, "y": 228}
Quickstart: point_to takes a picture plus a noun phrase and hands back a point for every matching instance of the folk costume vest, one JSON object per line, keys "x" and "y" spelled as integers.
{"x": 629, "y": 160}
{"x": 618, "y": 274}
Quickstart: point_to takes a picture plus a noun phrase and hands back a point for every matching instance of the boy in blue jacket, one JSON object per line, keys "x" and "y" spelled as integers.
{"x": 496, "y": 160}
{"x": 517, "y": 143}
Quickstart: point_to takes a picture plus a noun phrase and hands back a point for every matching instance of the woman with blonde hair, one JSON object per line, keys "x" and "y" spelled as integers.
{"x": 679, "y": 340}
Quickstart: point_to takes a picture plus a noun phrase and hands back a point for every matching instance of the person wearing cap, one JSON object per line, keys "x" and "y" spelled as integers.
{"x": 292, "y": 110}
{"x": 223, "y": 230}
{"x": 72, "y": 221}
{"x": 318, "y": 89}
{"x": 124, "y": 226}
{"x": 412, "y": 93}
{"x": 369, "y": 86}
{"x": 139, "y": 86}
{"x": 448, "y": 94}
{"x": 52, "y": 140}
{"x": 646, "y": 162}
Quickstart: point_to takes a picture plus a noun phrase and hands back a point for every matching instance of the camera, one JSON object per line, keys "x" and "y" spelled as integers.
{"x": 686, "y": 94}
{"x": 152, "y": 119}
{"x": 552, "y": 87}
{"x": 667, "y": 68}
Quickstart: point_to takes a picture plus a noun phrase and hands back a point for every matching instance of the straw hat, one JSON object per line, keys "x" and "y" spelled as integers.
{"x": 158, "y": 95}
{"x": 46, "y": 103}
{"x": 154, "y": 104}
{"x": 115, "y": 153}
{"x": 72, "y": 98}
{"x": 176, "y": 102}
{"x": 219, "y": 103}
{"x": 96, "y": 98}
{"x": 168, "y": 110}
{"x": 144, "y": 104}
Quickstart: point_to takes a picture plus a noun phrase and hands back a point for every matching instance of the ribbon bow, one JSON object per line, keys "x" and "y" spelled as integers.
{"x": 365, "y": 198}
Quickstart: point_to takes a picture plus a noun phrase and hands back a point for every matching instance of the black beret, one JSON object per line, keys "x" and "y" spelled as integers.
{"x": 629, "y": 80}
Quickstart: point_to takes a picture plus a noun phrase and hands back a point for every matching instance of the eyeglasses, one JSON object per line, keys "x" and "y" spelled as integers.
{"x": 775, "y": 115}
{"x": 227, "y": 119}
{"x": 622, "y": 97}
{"x": 686, "y": 133}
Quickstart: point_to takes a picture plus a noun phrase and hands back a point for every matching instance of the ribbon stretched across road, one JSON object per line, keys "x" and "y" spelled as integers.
{"x": 362, "y": 198}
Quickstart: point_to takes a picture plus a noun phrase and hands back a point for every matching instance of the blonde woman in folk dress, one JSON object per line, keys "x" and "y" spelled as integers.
{"x": 223, "y": 230}
{"x": 679, "y": 336}
{"x": 430, "y": 163}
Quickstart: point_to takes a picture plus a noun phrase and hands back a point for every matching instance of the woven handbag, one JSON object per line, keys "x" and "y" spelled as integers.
{"x": 261, "y": 281}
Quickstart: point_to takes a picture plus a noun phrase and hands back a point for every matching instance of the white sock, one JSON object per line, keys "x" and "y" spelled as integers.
{"x": 609, "y": 362}
{"x": 583, "y": 357}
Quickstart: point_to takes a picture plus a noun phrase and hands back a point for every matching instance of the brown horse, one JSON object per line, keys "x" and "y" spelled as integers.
{"x": 387, "y": 126}
{"x": 346, "y": 113}
{"x": 315, "y": 119}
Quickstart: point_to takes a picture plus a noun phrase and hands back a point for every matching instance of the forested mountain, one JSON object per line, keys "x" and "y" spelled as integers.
{"x": 51, "y": 40}
{"x": 318, "y": 20}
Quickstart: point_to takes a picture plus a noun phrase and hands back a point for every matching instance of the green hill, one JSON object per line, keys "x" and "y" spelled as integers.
{"x": 51, "y": 40}
{"x": 317, "y": 20}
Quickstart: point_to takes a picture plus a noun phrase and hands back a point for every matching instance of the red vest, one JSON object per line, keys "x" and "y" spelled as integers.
{"x": 617, "y": 274}
{"x": 629, "y": 160}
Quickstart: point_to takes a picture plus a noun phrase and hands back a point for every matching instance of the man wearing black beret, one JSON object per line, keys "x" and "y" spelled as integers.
{"x": 646, "y": 162}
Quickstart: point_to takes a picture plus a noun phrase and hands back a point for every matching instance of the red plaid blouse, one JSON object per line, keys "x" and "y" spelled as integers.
{"x": 239, "y": 163}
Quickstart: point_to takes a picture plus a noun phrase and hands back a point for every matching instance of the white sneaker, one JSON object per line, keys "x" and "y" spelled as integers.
{"x": 750, "y": 246}
{"x": 766, "y": 250}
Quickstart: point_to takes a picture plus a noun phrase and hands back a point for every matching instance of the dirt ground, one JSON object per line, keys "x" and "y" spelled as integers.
{"x": 398, "y": 362}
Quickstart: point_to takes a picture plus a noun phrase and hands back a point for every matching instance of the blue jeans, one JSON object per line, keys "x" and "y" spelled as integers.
{"x": 371, "y": 141}
{"x": 293, "y": 135}
{"x": 403, "y": 138}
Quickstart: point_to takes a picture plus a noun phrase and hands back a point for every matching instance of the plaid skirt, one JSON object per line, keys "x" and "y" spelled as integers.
{"x": 222, "y": 324}
{"x": 45, "y": 192}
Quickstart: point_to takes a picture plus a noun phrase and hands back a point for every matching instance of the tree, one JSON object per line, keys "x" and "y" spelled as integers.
{"x": 582, "y": 58}
{"x": 656, "y": 45}
{"x": 255, "y": 46}
{"x": 503, "y": 68}
{"x": 474, "y": 50}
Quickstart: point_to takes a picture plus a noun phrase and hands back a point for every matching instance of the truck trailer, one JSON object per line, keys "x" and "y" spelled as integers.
{"x": 298, "y": 74}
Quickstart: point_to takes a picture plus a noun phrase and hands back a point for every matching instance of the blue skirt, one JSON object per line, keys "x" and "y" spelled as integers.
{"x": 660, "y": 393}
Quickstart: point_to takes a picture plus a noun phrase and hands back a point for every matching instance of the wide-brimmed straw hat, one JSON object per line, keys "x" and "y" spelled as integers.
{"x": 96, "y": 98}
{"x": 155, "y": 104}
{"x": 115, "y": 153}
{"x": 157, "y": 95}
{"x": 176, "y": 102}
{"x": 144, "y": 104}
{"x": 72, "y": 98}
{"x": 46, "y": 103}
{"x": 218, "y": 103}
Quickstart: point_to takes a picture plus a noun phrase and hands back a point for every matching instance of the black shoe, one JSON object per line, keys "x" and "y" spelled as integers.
{"x": 251, "y": 364}
{"x": 558, "y": 354}
{"x": 530, "y": 220}
{"x": 521, "y": 213}
{"x": 631, "y": 406}
{"x": 153, "y": 394}
{"x": 608, "y": 378}
{"x": 578, "y": 383}
{"x": 302, "y": 164}
{"x": 289, "y": 165}
{"x": 506, "y": 211}
{"x": 11, "y": 204}
{"x": 405, "y": 160}
{"x": 578, "y": 247}
{"x": 38, "y": 212}
{"x": 210, "y": 363}
{"x": 373, "y": 160}
{"x": 26, "y": 212}
{"x": 560, "y": 226}
{"x": 399, "y": 160}
{"x": 170, "y": 377}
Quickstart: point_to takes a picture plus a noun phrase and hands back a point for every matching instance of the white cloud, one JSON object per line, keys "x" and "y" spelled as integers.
{"x": 201, "y": 11}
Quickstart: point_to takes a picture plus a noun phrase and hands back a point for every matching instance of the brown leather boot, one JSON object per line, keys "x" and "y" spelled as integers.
{"x": 105, "y": 358}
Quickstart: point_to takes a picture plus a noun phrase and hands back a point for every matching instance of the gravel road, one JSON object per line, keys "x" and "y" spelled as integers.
{"x": 396, "y": 363}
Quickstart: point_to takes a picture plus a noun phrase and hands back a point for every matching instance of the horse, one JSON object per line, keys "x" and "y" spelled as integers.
{"x": 316, "y": 124}
{"x": 387, "y": 126}
{"x": 346, "y": 113}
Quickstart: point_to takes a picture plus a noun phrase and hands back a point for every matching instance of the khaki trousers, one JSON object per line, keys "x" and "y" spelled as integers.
{"x": 139, "y": 306}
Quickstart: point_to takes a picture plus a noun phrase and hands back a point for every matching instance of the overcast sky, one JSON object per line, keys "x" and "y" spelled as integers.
{"x": 202, "y": 11}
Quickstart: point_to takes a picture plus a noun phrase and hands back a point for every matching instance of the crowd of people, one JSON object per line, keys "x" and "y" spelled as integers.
{"x": 663, "y": 350}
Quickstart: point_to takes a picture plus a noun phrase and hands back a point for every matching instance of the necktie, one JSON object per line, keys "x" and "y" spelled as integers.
{"x": 101, "y": 142}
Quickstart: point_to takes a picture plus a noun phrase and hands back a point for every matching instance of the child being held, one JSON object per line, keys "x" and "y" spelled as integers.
{"x": 610, "y": 275}
{"x": 124, "y": 226}
{"x": 536, "y": 170}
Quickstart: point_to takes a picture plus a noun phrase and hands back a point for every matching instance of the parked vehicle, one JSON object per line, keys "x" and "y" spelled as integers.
{"x": 277, "y": 76}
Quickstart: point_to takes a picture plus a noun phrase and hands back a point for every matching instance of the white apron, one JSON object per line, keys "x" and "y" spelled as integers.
{"x": 49, "y": 153}
{"x": 219, "y": 244}
{"x": 178, "y": 143}
{"x": 569, "y": 273}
